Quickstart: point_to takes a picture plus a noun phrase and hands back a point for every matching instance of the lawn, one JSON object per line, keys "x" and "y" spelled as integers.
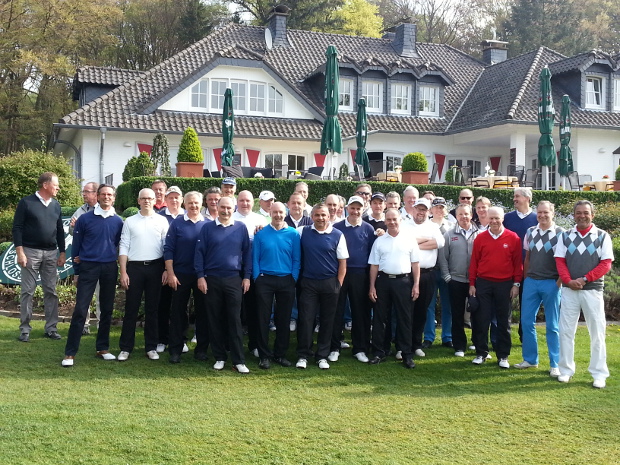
{"x": 445, "y": 411}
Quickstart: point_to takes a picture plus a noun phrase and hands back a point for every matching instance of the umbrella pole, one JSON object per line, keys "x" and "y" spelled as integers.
{"x": 545, "y": 178}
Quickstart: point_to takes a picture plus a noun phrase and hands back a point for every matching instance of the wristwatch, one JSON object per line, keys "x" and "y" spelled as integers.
{"x": 516, "y": 284}
{"x": 585, "y": 280}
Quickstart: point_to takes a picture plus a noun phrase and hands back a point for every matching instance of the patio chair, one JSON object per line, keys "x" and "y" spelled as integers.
{"x": 531, "y": 176}
{"x": 573, "y": 180}
{"x": 316, "y": 170}
{"x": 465, "y": 175}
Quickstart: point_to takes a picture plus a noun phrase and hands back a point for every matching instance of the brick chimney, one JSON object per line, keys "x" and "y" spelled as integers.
{"x": 404, "y": 40}
{"x": 277, "y": 25}
{"x": 494, "y": 51}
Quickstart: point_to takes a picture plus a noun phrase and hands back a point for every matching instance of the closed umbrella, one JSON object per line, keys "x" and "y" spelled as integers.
{"x": 331, "y": 139}
{"x": 546, "y": 116}
{"x": 566, "y": 156}
{"x": 361, "y": 134}
{"x": 228, "y": 129}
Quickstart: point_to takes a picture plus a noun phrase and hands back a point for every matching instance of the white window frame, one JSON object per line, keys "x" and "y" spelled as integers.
{"x": 239, "y": 97}
{"x": 617, "y": 94}
{"x": 275, "y": 99}
{"x": 400, "y": 93}
{"x": 277, "y": 171}
{"x": 591, "y": 92}
{"x": 256, "y": 100}
{"x": 297, "y": 158}
{"x": 374, "y": 102}
{"x": 196, "y": 90}
{"x": 219, "y": 96}
{"x": 425, "y": 96}
{"x": 391, "y": 161}
{"x": 345, "y": 88}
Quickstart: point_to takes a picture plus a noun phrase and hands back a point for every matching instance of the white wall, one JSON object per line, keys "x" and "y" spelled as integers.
{"x": 593, "y": 151}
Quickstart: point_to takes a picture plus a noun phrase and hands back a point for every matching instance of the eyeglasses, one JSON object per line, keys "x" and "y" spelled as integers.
{"x": 365, "y": 194}
{"x": 466, "y": 198}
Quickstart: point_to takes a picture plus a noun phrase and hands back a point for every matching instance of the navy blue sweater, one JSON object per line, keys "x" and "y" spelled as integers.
{"x": 223, "y": 251}
{"x": 96, "y": 239}
{"x": 318, "y": 251}
{"x": 37, "y": 226}
{"x": 180, "y": 246}
{"x": 520, "y": 226}
{"x": 359, "y": 242}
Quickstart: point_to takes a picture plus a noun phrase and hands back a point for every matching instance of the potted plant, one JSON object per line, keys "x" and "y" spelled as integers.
{"x": 190, "y": 161}
{"x": 415, "y": 169}
{"x": 617, "y": 181}
{"x": 453, "y": 175}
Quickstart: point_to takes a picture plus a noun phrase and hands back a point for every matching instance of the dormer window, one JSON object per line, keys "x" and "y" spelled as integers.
{"x": 595, "y": 93}
{"x": 372, "y": 91}
{"x": 199, "y": 94}
{"x": 345, "y": 92}
{"x": 401, "y": 99}
{"x": 428, "y": 100}
{"x": 617, "y": 94}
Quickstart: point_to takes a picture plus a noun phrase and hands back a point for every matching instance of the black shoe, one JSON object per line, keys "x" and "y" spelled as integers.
{"x": 24, "y": 337}
{"x": 448, "y": 344}
{"x": 376, "y": 360}
{"x": 426, "y": 344}
{"x": 200, "y": 356}
{"x": 175, "y": 358}
{"x": 53, "y": 335}
{"x": 409, "y": 363}
{"x": 282, "y": 362}
{"x": 264, "y": 364}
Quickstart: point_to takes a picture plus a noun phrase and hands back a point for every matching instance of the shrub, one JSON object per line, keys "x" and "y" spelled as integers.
{"x": 20, "y": 171}
{"x": 6, "y": 224}
{"x": 138, "y": 166}
{"x": 189, "y": 148}
{"x": 343, "y": 173}
{"x": 415, "y": 161}
{"x": 4, "y": 246}
{"x": 160, "y": 154}
{"x": 130, "y": 211}
{"x": 618, "y": 173}
{"x": 68, "y": 211}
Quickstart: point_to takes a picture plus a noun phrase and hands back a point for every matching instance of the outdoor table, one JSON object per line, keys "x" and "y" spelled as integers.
{"x": 602, "y": 185}
{"x": 389, "y": 176}
{"x": 506, "y": 182}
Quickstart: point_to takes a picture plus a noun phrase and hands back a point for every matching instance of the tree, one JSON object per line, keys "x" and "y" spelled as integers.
{"x": 359, "y": 18}
{"x": 138, "y": 166}
{"x": 160, "y": 154}
{"x": 189, "y": 148}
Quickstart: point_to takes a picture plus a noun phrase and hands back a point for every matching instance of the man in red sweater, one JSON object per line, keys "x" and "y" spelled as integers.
{"x": 495, "y": 275}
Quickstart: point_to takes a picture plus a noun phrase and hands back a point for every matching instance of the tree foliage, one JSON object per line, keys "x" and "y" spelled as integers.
{"x": 160, "y": 154}
{"x": 358, "y": 18}
{"x": 309, "y": 15}
{"x": 20, "y": 171}
{"x": 189, "y": 148}
{"x": 138, "y": 166}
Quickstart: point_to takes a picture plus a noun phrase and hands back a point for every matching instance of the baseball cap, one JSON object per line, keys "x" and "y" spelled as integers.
{"x": 266, "y": 195}
{"x": 377, "y": 195}
{"x": 423, "y": 201}
{"x": 229, "y": 180}
{"x": 354, "y": 199}
{"x": 174, "y": 189}
{"x": 439, "y": 201}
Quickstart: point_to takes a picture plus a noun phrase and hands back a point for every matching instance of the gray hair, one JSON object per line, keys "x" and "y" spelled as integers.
{"x": 547, "y": 203}
{"x": 579, "y": 203}
{"x": 524, "y": 191}
{"x": 193, "y": 194}
{"x": 412, "y": 189}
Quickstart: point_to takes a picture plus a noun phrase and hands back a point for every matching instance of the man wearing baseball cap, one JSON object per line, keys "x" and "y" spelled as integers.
{"x": 229, "y": 187}
{"x": 376, "y": 213}
{"x": 266, "y": 199}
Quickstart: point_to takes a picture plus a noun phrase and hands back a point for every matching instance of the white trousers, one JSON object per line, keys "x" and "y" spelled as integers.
{"x": 591, "y": 302}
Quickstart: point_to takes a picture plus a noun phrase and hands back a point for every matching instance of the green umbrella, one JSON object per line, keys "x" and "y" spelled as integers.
{"x": 566, "y": 156}
{"x": 228, "y": 129}
{"x": 331, "y": 140}
{"x": 546, "y": 116}
{"x": 361, "y": 134}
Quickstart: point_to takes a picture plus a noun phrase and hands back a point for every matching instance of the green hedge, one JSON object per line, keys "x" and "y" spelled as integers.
{"x": 127, "y": 193}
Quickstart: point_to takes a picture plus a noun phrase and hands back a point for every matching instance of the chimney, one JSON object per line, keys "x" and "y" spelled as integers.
{"x": 277, "y": 25}
{"x": 404, "y": 40}
{"x": 494, "y": 51}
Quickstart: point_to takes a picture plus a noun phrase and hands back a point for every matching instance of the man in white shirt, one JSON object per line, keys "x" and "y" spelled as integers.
{"x": 332, "y": 202}
{"x": 410, "y": 197}
{"x": 266, "y": 199}
{"x": 211, "y": 197}
{"x": 394, "y": 282}
{"x": 141, "y": 260}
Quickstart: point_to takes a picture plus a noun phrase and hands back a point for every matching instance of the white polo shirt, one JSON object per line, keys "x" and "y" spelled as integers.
{"x": 143, "y": 237}
{"x": 251, "y": 221}
{"x": 394, "y": 255}
{"x": 429, "y": 230}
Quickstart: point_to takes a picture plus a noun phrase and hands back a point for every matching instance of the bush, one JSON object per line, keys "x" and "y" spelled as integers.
{"x": 4, "y": 246}
{"x": 6, "y": 224}
{"x": 161, "y": 154}
{"x": 138, "y": 166}
{"x": 68, "y": 211}
{"x": 189, "y": 148}
{"x": 130, "y": 211}
{"x": 415, "y": 161}
{"x": 618, "y": 173}
{"x": 20, "y": 171}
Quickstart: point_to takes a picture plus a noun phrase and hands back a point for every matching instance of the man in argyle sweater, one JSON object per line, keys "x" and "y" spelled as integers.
{"x": 583, "y": 256}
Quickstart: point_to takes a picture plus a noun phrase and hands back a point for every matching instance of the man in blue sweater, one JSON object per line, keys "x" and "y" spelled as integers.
{"x": 39, "y": 239}
{"x": 223, "y": 266}
{"x": 276, "y": 259}
{"x": 95, "y": 247}
{"x": 324, "y": 265}
{"x": 359, "y": 236}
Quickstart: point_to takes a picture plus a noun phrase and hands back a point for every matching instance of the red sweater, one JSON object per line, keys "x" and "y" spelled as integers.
{"x": 496, "y": 259}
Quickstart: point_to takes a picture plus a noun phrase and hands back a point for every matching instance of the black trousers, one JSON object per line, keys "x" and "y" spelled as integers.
{"x": 143, "y": 279}
{"x": 91, "y": 273}
{"x": 420, "y": 306}
{"x": 163, "y": 314}
{"x": 493, "y": 296}
{"x": 282, "y": 288}
{"x": 317, "y": 295}
{"x": 223, "y": 303}
{"x": 179, "y": 315}
{"x": 458, "y": 300}
{"x": 249, "y": 315}
{"x": 392, "y": 293}
{"x": 355, "y": 287}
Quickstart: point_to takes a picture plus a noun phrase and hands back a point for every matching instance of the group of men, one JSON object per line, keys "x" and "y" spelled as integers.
{"x": 383, "y": 262}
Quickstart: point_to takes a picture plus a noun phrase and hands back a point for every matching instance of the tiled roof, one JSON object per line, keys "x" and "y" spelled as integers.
{"x": 581, "y": 62}
{"x": 106, "y": 76}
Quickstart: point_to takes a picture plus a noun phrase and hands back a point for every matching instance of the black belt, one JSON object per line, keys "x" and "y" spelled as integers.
{"x": 394, "y": 276}
{"x": 427, "y": 270}
{"x": 146, "y": 262}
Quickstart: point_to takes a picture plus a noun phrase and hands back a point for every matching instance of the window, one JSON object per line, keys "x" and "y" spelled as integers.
{"x": 392, "y": 161}
{"x": 109, "y": 179}
{"x": 617, "y": 94}
{"x": 274, "y": 160}
{"x": 428, "y": 104}
{"x": 373, "y": 93}
{"x": 595, "y": 94}
{"x": 218, "y": 88}
{"x": 199, "y": 94}
{"x": 345, "y": 94}
{"x": 296, "y": 162}
{"x": 401, "y": 98}
{"x": 239, "y": 95}
{"x": 476, "y": 166}
{"x": 257, "y": 97}
{"x": 275, "y": 100}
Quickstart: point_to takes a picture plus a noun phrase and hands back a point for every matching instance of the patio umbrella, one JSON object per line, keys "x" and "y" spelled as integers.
{"x": 228, "y": 129}
{"x": 566, "y": 156}
{"x": 546, "y": 116}
{"x": 331, "y": 140}
{"x": 361, "y": 134}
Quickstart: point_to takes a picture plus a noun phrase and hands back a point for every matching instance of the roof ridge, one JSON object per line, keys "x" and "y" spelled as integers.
{"x": 526, "y": 83}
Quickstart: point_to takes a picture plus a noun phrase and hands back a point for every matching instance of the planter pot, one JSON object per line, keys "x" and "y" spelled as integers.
{"x": 415, "y": 177}
{"x": 187, "y": 169}
{"x": 616, "y": 185}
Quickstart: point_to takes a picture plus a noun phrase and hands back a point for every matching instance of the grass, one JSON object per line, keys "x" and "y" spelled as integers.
{"x": 446, "y": 411}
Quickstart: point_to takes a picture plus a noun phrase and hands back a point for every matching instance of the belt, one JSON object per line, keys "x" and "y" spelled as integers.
{"x": 427, "y": 270}
{"x": 394, "y": 276}
{"x": 146, "y": 262}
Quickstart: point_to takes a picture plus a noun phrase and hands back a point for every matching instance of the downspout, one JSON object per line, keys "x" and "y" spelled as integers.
{"x": 101, "y": 147}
